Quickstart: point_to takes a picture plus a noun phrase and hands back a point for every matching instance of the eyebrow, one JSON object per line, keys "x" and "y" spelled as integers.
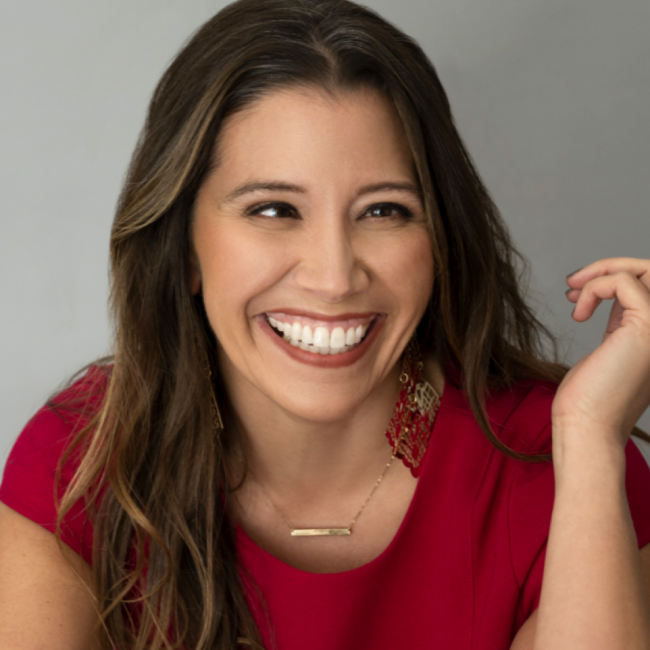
{"x": 257, "y": 186}
{"x": 277, "y": 186}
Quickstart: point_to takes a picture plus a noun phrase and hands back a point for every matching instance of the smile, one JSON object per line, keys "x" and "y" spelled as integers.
{"x": 320, "y": 336}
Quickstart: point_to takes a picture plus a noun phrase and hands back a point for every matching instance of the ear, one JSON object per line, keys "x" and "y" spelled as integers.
{"x": 195, "y": 272}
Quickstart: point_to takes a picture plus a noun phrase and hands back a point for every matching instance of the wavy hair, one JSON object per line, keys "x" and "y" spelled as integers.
{"x": 165, "y": 560}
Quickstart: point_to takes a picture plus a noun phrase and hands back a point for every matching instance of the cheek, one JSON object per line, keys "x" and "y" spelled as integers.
{"x": 410, "y": 273}
{"x": 235, "y": 268}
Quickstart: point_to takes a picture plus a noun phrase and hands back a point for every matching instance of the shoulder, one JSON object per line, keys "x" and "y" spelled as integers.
{"x": 83, "y": 397}
{"x": 65, "y": 414}
{"x": 39, "y": 467}
{"x": 33, "y": 462}
{"x": 520, "y": 414}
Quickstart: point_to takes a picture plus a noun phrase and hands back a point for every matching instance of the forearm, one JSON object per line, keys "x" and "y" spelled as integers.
{"x": 592, "y": 592}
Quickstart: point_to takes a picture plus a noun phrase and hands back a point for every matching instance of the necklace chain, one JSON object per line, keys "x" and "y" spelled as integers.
{"x": 349, "y": 527}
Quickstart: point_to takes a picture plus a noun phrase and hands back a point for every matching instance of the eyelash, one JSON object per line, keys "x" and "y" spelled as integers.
{"x": 403, "y": 212}
{"x": 277, "y": 206}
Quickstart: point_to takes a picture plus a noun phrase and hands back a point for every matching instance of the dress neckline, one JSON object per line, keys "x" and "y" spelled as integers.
{"x": 247, "y": 543}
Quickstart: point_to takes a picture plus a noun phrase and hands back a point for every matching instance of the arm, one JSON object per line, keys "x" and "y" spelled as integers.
{"x": 526, "y": 635}
{"x": 593, "y": 594}
{"x": 43, "y": 603}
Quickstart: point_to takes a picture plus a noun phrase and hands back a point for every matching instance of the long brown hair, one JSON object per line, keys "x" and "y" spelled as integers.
{"x": 165, "y": 554}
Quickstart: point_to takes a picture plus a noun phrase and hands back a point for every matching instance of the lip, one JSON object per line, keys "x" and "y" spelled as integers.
{"x": 324, "y": 317}
{"x": 340, "y": 360}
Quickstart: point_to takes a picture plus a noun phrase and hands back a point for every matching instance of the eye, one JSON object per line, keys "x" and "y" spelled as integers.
{"x": 274, "y": 211}
{"x": 387, "y": 211}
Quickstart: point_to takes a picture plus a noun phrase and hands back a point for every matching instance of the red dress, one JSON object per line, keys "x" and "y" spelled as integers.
{"x": 464, "y": 570}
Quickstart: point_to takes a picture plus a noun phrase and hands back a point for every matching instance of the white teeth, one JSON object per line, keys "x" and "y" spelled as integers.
{"x": 337, "y": 338}
{"x": 321, "y": 338}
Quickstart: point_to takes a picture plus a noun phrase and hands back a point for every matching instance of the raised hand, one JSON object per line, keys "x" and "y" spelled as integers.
{"x": 607, "y": 391}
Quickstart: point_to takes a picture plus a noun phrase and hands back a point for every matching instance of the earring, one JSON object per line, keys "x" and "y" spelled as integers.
{"x": 409, "y": 430}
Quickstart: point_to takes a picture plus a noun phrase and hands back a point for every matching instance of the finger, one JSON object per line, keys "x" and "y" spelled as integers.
{"x": 627, "y": 288}
{"x": 572, "y": 294}
{"x": 640, "y": 268}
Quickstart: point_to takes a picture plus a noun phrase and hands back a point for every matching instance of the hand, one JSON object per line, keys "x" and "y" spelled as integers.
{"x": 609, "y": 389}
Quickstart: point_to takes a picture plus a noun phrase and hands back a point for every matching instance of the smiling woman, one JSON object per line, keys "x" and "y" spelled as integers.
{"x": 328, "y": 419}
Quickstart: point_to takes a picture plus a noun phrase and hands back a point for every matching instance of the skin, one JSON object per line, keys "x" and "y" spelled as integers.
{"x": 312, "y": 432}
{"x": 46, "y": 598}
{"x": 593, "y": 593}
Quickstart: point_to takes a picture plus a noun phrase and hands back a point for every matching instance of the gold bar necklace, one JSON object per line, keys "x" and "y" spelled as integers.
{"x": 327, "y": 532}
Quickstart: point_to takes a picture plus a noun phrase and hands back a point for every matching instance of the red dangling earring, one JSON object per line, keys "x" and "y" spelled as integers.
{"x": 409, "y": 430}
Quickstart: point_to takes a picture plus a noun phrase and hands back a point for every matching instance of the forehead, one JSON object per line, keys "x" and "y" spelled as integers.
{"x": 302, "y": 131}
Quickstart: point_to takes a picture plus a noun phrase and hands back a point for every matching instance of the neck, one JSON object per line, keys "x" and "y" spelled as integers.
{"x": 287, "y": 453}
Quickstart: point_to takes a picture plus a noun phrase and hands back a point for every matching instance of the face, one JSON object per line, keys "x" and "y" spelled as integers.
{"x": 312, "y": 252}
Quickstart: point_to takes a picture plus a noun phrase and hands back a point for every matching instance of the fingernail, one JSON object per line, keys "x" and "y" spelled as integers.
{"x": 567, "y": 292}
{"x": 570, "y": 274}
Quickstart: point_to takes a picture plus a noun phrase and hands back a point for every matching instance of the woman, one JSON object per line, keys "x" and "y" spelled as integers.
{"x": 317, "y": 427}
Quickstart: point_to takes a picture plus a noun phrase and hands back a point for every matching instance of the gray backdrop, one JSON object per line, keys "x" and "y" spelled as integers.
{"x": 552, "y": 98}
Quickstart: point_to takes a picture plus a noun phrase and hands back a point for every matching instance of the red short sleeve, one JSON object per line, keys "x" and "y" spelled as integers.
{"x": 28, "y": 482}
{"x": 531, "y": 505}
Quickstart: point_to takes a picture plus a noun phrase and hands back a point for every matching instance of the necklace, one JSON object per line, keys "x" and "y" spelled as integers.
{"x": 316, "y": 532}
{"x": 409, "y": 432}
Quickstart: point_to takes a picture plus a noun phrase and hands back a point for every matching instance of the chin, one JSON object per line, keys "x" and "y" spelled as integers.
{"x": 322, "y": 409}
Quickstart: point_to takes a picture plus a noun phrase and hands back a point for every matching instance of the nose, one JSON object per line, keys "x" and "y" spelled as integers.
{"x": 331, "y": 267}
